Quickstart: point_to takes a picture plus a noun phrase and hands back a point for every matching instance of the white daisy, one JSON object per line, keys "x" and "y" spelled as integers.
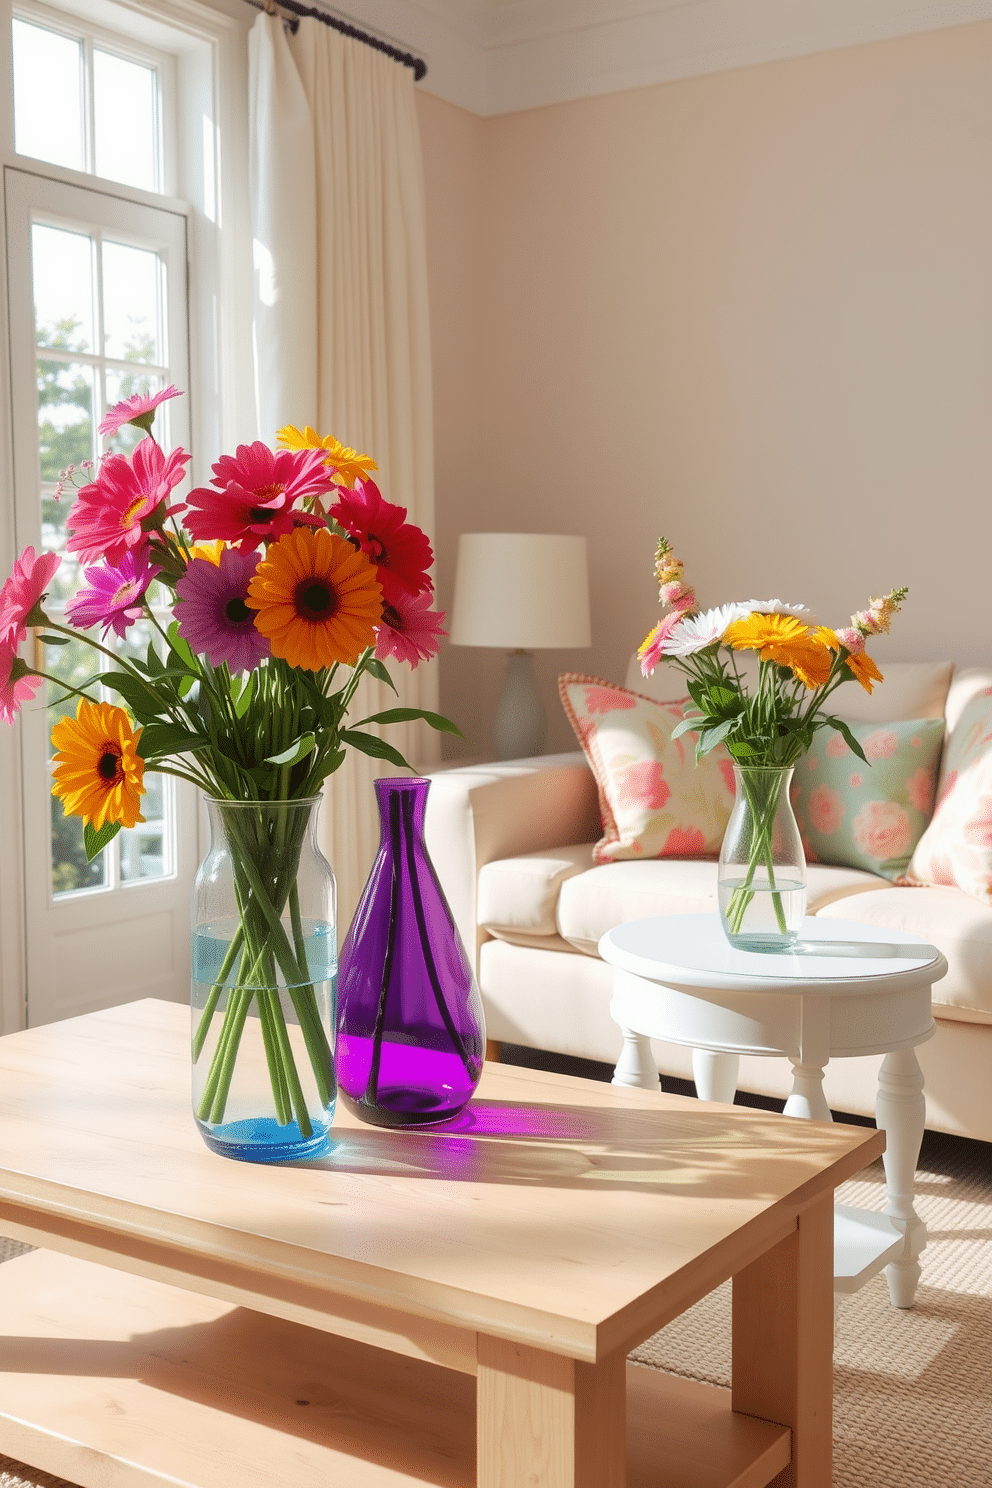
{"x": 775, "y": 607}
{"x": 696, "y": 632}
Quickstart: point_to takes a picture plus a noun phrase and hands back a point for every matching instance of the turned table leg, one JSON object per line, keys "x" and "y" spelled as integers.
{"x": 636, "y": 1067}
{"x": 807, "y": 1099}
{"x": 900, "y": 1111}
{"x": 548, "y": 1421}
{"x": 715, "y": 1075}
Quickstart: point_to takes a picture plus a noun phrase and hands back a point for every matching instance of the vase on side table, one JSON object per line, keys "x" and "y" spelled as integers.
{"x": 263, "y": 978}
{"x": 411, "y": 1035}
{"x": 761, "y": 874}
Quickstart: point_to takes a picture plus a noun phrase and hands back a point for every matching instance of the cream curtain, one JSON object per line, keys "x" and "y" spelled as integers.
{"x": 368, "y": 302}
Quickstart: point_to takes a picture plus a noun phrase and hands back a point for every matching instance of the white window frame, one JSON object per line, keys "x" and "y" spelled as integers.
{"x": 209, "y": 40}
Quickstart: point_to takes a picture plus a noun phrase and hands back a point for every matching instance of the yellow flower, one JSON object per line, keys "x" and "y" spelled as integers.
{"x": 210, "y": 551}
{"x": 99, "y": 771}
{"x": 826, "y": 637}
{"x": 346, "y": 463}
{"x": 810, "y": 661}
{"x": 767, "y": 634}
{"x": 864, "y": 669}
{"x": 317, "y": 599}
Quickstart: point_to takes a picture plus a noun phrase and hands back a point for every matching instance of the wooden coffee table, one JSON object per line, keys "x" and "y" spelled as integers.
{"x": 446, "y": 1308}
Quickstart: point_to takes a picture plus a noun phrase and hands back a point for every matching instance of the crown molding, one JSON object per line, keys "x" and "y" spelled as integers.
{"x": 502, "y": 56}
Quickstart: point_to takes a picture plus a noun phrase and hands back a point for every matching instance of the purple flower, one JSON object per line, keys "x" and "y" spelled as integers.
{"x": 114, "y": 596}
{"x": 213, "y": 616}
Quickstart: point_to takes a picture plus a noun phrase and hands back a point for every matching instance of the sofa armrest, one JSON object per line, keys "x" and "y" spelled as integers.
{"x": 481, "y": 813}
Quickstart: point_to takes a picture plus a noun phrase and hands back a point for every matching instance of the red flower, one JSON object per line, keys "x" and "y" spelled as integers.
{"x": 400, "y": 551}
{"x": 256, "y": 492}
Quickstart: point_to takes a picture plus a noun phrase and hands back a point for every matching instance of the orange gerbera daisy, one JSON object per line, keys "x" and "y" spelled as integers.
{"x": 316, "y": 598}
{"x": 346, "y": 463}
{"x": 785, "y": 640}
{"x": 864, "y": 669}
{"x": 99, "y": 773}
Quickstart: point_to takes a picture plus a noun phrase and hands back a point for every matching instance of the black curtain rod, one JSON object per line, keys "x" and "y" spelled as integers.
{"x": 347, "y": 29}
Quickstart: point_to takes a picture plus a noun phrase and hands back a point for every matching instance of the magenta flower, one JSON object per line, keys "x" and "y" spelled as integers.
{"x": 212, "y": 612}
{"x": 400, "y": 551}
{"x": 25, "y": 588}
{"x": 254, "y": 495}
{"x": 114, "y": 596}
{"x": 17, "y": 682}
{"x": 138, "y": 410}
{"x": 410, "y": 630}
{"x": 127, "y": 499}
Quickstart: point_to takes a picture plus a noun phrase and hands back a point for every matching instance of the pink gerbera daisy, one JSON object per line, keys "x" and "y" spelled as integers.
{"x": 25, "y": 588}
{"x": 138, "y": 410}
{"x": 255, "y": 493}
{"x": 126, "y": 500}
{"x": 409, "y": 630}
{"x": 212, "y": 612}
{"x": 401, "y": 552}
{"x": 114, "y": 596}
{"x": 17, "y": 682}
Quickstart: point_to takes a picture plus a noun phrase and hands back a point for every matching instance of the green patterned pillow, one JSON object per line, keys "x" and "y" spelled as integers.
{"x": 868, "y": 816}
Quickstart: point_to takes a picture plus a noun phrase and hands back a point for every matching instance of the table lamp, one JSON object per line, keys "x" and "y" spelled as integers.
{"x": 523, "y": 592}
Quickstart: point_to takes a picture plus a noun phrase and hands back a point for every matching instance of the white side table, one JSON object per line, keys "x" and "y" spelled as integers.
{"x": 847, "y": 989}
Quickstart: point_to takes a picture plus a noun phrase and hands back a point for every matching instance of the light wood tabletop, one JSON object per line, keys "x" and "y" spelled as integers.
{"x": 530, "y": 1244}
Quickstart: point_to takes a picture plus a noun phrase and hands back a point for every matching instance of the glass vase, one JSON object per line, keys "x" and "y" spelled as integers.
{"x": 411, "y": 1035}
{"x": 762, "y": 869}
{"x": 263, "y": 978}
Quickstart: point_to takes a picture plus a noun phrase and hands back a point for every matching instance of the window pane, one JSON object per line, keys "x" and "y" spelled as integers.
{"x": 125, "y": 105}
{"x": 70, "y": 870}
{"x": 48, "y": 96}
{"x": 132, "y": 304}
{"x": 65, "y": 415}
{"x": 143, "y": 847}
{"x": 62, "y": 283}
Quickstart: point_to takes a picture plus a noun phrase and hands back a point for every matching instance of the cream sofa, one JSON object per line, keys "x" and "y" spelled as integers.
{"x": 512, "y": 844}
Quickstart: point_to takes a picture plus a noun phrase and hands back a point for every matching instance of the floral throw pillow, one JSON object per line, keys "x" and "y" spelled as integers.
{"x": 868, "y": 816}
{"x": 655, "y": 801}
{"x": 956, "y": 847}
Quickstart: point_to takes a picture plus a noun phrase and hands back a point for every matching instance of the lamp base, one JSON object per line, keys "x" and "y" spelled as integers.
{"x": 519, "y": 724}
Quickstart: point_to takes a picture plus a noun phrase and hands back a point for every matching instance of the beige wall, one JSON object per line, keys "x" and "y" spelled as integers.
{"x": 752, "y": 311}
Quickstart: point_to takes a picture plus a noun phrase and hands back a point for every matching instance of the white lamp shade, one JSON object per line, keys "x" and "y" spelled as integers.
{"x": 521, "y": 591}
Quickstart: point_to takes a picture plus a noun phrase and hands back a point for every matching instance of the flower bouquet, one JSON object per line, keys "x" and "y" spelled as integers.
{"x": 764, "y": 725}
{"x": 288, "y": 578}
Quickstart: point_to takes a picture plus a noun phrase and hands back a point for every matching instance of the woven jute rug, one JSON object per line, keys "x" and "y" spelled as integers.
{"x": 912, "y": 1389}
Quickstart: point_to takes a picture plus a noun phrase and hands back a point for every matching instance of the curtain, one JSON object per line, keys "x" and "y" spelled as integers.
{"x": 367, "y": 300}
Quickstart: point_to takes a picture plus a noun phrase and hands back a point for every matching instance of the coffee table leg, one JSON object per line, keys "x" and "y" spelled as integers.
{"x": 783, "y": 1313}
{"x": 636, "y": 1067}
{"x": 715, "y": 1075}
{"x": 900, "y": 1111}
{"x": 548, "y": 1421}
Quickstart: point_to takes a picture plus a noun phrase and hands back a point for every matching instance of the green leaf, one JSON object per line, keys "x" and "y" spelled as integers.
{"x": 375, "y": 668}
{"x": 245, "y": 696}
{"x": 95, "y": 841}
{"x": 159, "y": 739}
{"x": 740, "y": 749}
{"x": 688, "y": 725}
{"x": 181, "y": 646}
{"x": 294, "y": 753}
{"x": 697, "y": 692}
{"x": 135, "y": 693}
{"x": 408, "y": 715}
{"x": 849, "y": 739}
{"x": 153, "y": 661}
{"x": 377, "y": 748}
{"x": 53, "y": 640}
{"x": 725, "y": 697}
{"x": 714, "y": 736}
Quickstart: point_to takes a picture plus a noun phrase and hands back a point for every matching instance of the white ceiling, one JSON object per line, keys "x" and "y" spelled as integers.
{"x": 499, "y": 56}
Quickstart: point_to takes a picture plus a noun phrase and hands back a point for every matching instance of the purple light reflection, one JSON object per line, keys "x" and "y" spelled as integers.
{"x": 508, "y": 1119}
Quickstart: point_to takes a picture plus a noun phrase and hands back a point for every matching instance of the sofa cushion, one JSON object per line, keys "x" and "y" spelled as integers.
{"x": 956, "y": 848}
{"x": 591, "y": 903}
{"x": 950, "y": 920}
{"x": 868, "y": 816}
{"x": 655, "y": 800}
{"x": 519, "y": 896}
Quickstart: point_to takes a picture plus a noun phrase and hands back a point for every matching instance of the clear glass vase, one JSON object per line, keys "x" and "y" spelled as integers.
{"x": 411, "y": 1035}
{"x": 762, "y": 869}
{"x": 264, "y": 962}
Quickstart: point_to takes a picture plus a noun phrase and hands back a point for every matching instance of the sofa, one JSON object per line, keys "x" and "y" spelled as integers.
{"x": 513, "y": 846}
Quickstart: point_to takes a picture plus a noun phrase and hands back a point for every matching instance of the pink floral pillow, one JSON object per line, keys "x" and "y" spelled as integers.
{"x": 655, "y": 801}
{"x": 956, "y": 847}
{"x": 868, "y": 816}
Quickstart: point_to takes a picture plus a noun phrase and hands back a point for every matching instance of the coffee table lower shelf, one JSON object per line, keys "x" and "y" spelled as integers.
{"x": 108, "y": 1378}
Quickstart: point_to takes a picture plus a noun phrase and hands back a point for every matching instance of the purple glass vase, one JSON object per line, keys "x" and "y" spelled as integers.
{"x": 411, "y": 1033}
